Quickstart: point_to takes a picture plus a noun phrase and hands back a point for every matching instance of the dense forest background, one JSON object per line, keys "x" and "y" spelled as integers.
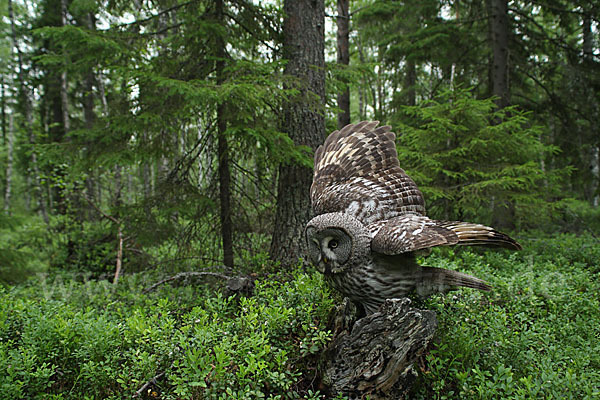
{"x": 151, "y": 137}
{"x": 162, "y": 125}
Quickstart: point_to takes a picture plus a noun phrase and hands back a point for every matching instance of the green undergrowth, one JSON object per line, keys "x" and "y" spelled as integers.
{"x": 535, "y": 335}
{"x": 64, "y": 339}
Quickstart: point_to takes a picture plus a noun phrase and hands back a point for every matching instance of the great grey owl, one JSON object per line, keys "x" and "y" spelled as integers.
{"x": 370, "y": 222}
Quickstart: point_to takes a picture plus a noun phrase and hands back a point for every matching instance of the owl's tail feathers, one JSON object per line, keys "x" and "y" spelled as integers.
{"x": 439, "y": 280}
{"x": 471, "y": 234}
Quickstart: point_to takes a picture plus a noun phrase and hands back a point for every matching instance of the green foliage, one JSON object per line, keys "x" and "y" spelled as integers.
{"x": 90, "y": 340}
{"x": 463, "y": 153}
{"x": 535, "y": 335}
{"x": 21, "y": 239}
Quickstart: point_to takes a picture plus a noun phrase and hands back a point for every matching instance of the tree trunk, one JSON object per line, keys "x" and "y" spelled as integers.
{"x": 362, "y": 95}
{"x": 499, "y": 31}
{"x": 410, "y": 80}
{"x": 3, "y": 106}
{"x": 588, "y": 38}
{"x": 503, "y": 212}
{"x": 223, "y": 154}
{"x": 373, "y": 357}
{"x": 64, "y": 99}
{"x": 9, "y": 162}
{"x": 28, "y": 108}
{"x": 343, "y": 58}
{"x": 594, "y": 157}
{"x": 89, "y": 117}
{"x": 303, "y": 46}
{"x": 380, "y": 85}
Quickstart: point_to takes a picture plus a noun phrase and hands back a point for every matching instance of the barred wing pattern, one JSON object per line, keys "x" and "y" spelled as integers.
{"x": 370, "y": 222}
{"x": 410, "y": 233}
{"x": 357, "y": 172}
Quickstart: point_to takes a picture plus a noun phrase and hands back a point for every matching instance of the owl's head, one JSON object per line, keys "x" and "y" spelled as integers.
{"x": 336, "y": 242}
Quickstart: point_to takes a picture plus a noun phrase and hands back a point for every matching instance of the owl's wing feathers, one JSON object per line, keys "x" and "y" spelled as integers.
{"x": 409, "y": 233}
{"x": 357, "y": 172}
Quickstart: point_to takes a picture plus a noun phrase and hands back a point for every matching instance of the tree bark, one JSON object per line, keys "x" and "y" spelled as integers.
{"x": 499, "y": 31}
{"x": 343, "y": 58}
{"x": 10, "y": 134}
{"x": 3, "y": 106}
{"x": 503, "y": 212}
{"x": 374, "y": 356}
{"x": 594, "y": 156}
{"x": 64, "y": 93}
{"x": 28, "y": 108}
{"x": 410, "y": 80}
{"x": 362, "y": 95}
{"x": 588, "y": 38}
{"x": 89, "y": 114}
{"x": 303, "y": 121}
{"x": 223, "y": 153}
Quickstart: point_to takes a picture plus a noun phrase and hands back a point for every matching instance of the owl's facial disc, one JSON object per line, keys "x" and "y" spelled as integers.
{"x": 329, "y": 248}
{"x": 336, "y": 248}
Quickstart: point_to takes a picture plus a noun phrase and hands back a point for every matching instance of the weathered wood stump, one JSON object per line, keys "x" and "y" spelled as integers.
{"x": 374, "y": 355}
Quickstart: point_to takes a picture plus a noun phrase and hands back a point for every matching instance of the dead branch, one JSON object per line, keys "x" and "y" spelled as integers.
{"x": 188, "y": 274}
{"x": 150, "y": 382}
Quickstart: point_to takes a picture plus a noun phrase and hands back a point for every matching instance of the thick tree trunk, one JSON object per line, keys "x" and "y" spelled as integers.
{"x": 304, "y": 37}
{"x": 374, "y": 356}
{"x": 223, "y": 154}
{"x": 499, "y": 31}
{"x": 28, "y": 108}
{"x": 10, "y": 134}
{"x": 343, "y": 58}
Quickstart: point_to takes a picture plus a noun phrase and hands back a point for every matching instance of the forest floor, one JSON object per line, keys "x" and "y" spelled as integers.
{"x": 535, "y": 335}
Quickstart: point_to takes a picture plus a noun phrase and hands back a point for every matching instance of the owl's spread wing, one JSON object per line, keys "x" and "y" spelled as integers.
{"x": 409, "y": 233}
{"x": 357, "y": 172}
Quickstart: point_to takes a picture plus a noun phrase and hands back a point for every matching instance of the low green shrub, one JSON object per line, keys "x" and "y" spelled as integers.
{"x": 535, "y": 335}
{"x": 87, "y": 340}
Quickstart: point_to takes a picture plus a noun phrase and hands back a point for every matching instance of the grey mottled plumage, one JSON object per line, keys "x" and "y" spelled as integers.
{"x": 370, "y": 222}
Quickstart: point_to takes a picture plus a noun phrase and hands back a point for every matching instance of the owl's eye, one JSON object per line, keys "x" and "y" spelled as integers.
{"x": 333, "y": 244}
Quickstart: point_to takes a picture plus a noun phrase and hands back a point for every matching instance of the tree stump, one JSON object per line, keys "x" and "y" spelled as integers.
{"x": 375, "y": 354}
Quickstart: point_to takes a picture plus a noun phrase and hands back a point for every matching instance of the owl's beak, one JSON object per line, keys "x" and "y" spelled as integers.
{"x": 327, "y": 268}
